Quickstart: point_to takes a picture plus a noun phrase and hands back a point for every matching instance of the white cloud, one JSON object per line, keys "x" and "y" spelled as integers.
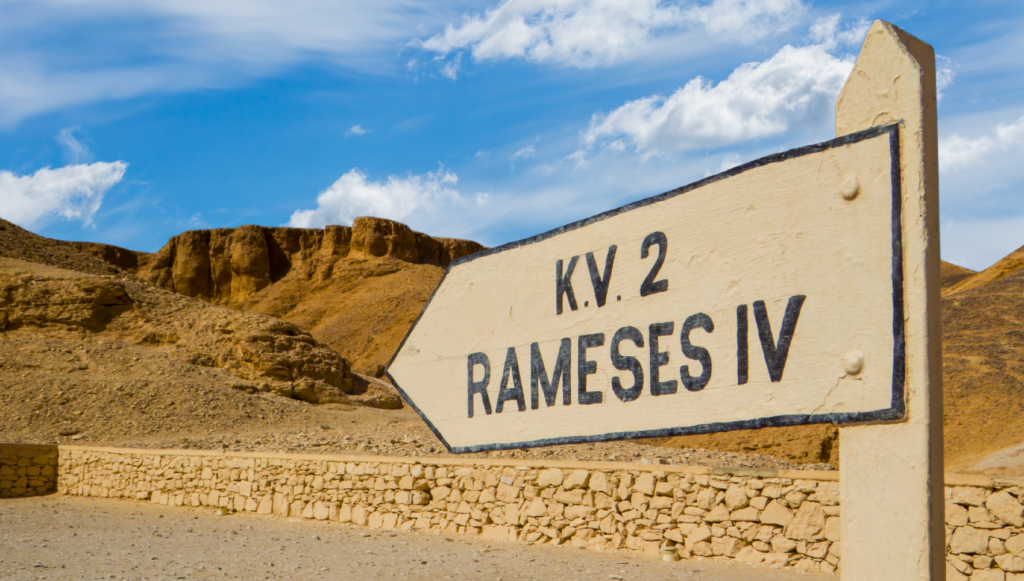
{"x": 524, "y": 152}
{"x": 830, "y": 34}
{"x": 127, "y": 48}
{"x": 795, "y": 86}
{"x": 74, "y": 150}
{"x": 588, "y": 33}
{"x": 73, "y": 192}
{"x": 450, "y": 70}
{"x": 413, "y": 198}
{"x": 944, "y": 74}
{"x": 956, "y": 152}
{"x": 356, "y": 130}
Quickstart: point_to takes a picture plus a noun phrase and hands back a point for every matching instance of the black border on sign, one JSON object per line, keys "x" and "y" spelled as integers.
{"x": 897, "y": 407}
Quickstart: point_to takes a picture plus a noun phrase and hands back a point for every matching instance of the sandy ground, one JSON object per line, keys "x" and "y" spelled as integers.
{"x": 57, "y": 537}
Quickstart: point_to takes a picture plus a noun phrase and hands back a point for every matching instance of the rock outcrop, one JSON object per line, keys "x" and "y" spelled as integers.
{"x": 268, "y": 354}
{"x": 228, "y": 266}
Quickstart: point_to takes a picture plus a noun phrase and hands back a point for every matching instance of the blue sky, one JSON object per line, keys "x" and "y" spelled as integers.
{"x": 127, "y": 122}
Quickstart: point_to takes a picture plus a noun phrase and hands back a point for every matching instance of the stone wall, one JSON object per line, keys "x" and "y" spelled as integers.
{"x": 777, "y": 519}
{"x": 27, "y": 470}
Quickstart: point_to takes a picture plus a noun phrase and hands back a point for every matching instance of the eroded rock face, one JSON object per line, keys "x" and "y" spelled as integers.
{"x": 272, "y": 355}
{"x": 227, "y": 266}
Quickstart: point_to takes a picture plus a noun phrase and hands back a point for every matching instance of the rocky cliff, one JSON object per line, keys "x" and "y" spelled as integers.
{"x": 229, "y": 265}
{"x": 355, "y": 289}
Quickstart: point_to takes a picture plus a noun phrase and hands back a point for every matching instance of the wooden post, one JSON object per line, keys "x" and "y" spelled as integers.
{"x": 891, "y": 475}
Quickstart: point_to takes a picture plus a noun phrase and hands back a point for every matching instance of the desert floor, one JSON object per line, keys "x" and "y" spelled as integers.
{"x": 58, "y": 537}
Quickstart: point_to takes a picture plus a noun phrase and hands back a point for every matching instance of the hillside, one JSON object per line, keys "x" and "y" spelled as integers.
{"x": 356, "y": 290}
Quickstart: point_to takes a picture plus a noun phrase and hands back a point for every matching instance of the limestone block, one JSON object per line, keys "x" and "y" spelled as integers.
{"x": 439, "y": 493}
{"x": 645, "y": 484}
{"x": 989, "y": 575}
{"x": 250, "y": 504}
{"x": 776, "y": 560}
{"x": 507, "y": 493}
{"x": 599, "y": 483}
{"x": 661, "y": 502}
{"x": 956, "y": 515}
{"x": 706, "y": 498}
{"x": 969, "y": 540}
{"x": 776, "y": 514}
{"x": 718, "y": 514}
{"x": 954, "y": 575}
{"x": 569, "y": 497}
{"x": 375, "y": 520}
{"x": 781, "y": 544}
{"x": 749, "y": 514}
{"x": 759, "y": 502}
{"x": 701, "y": 534}
{"x": 832, "y": 529}
{"x": 968, "y": 496}
{"x": 537, "y": 508}
{"x": 307, "y": 511}
{"x": 674, "y": 535}
{"x": 551, "y": 477}
{"x": 809, "y": 523}
{"x": 266, "y": 505}
{"x": 1010, "y": 563}
{"x": 1015, "y": 545}
{"x": 321, "y": 511}
{"x": 390, "y": 521}
{"x": 996, "y": 547}
{"x": 727, "y": 546}
{"x": 1005, "y": 506}
{"x": 736, "y": 497}
{"x": 576, "y": 479}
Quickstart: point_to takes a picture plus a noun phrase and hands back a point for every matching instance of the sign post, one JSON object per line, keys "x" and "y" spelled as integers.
{"x": 798, "y": 288}
{"x": 891, "y": 476}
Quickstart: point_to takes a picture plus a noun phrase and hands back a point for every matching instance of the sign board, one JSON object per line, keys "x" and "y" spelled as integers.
{"x": 768, "y": 295}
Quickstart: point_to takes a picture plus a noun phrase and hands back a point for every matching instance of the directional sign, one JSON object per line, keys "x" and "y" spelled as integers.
{"x": 768, "y": 295}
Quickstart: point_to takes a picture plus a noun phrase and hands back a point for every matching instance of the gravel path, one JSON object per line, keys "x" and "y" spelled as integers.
{"x": 56, "y": 537}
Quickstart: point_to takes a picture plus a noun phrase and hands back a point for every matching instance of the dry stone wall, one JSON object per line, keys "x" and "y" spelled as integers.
{"x": 27, "y": 470}
{"x": 776, "y": 519}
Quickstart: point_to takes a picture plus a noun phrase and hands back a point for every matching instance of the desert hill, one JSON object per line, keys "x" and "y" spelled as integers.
{"x": 84, "y": 343}
{"x": 356, "y": 290}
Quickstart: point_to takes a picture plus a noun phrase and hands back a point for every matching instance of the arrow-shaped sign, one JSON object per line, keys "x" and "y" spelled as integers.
{"x": 768, "y": 295}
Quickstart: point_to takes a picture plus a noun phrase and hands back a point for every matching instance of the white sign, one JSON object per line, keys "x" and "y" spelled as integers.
{"x": 769, "y": 295}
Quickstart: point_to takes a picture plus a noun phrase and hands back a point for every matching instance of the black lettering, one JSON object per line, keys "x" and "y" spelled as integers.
{"x": 585, "y": 368}
{"x": 561, "y": 374}
{"x": 479, "y": 386}
{"x": 696, "y": 353}
{"x": 563, "y": 285}
{"x": 516, "y": 393}
{"x": 660, "y": 359}
{"x": 742, "y": 349}
{"x": 601, "y": 284}
{"x": 651, "y": 286}
{"x": 627, "y": 363}
{"x": 775, "y": 354}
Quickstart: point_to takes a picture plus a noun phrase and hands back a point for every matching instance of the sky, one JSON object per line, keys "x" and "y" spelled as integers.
{"x": 129, "y": 121}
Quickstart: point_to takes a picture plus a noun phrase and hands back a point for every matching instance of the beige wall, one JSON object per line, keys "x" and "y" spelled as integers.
{"x": 759, "y": 517}
{"x": 27, "y": 470}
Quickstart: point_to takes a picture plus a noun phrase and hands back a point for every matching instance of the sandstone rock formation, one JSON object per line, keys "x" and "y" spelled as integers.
{"x": 273, "y": 355}
{"x": 356, "y": 289}
{"x": 228, "y": 266}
